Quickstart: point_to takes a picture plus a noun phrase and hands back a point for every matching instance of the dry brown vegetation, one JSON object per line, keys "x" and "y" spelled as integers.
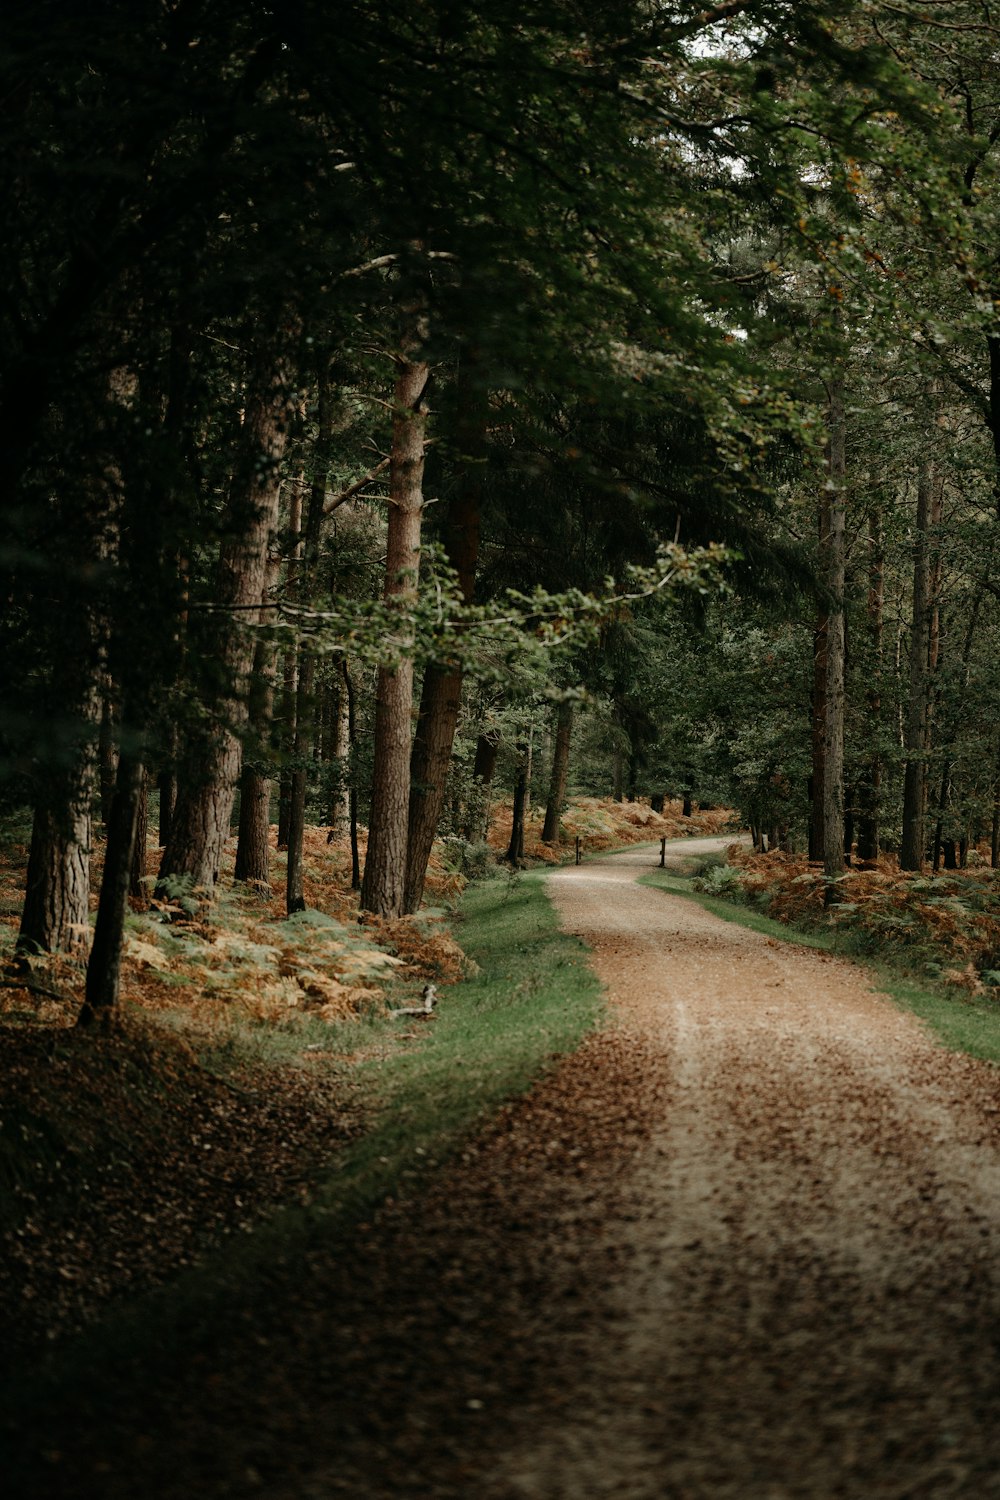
{"x": 946, "y": 924}
{"x": 601, "y": 824}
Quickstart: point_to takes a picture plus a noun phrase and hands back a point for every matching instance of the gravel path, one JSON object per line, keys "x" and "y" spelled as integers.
{"x": 810, "y": 1303}
{"x": 743, "y": 1243}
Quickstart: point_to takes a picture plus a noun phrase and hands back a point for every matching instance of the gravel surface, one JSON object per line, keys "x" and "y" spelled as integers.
{"x": 744, "y": 1243}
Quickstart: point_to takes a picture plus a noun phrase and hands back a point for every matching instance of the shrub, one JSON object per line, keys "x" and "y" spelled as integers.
{"x": 721, "y": 880}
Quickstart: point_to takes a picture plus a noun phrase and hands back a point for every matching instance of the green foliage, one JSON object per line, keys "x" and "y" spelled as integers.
{"x": 722, "y": 880}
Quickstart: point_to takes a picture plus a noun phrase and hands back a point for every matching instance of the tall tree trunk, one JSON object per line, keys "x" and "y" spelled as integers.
{"x": 618, "y": 774}
{"x": 833, "y": 739}
{"x": 911, "y": 852}
{"x": 253, "y": 847}
{"x": 382, "y": 888}
{"x": 632, "y": 787}
{"x": 290, "y": 670}
{"x": 477, "y": 824}
{"x": 870, "y": 784}
{"x": 166, "y": 783}
{"x": 305, "y": 705}
{"x": 200, "y": 824}
{"x": 515, "y": 849}
{"x": 56, "y": 913}
{"x": 352, "y": 794}
{"x": 560, "y": 767}
{"x": 138, "y": 889}
{"x": 340, "y": 805}
{"x": 821, "y": 637}
{"x": 441, "y": 696}
{"x": 951, "y": 727}
{"x": 103, "y": 967}
{"x": 107, "y": 752}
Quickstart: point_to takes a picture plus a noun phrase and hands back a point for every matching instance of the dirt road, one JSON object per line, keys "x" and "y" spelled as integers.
{"x": 811, "y": 1299}
{"x": 745, "y": 1243}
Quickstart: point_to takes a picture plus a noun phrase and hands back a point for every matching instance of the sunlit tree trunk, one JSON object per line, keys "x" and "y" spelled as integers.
{"x": 382, "y": 888}
{"x": 305, "y": 696}
{"x": 441, "y": 696}
{"x": 340, "y": 805}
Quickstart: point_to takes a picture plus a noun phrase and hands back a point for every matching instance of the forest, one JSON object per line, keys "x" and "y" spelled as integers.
{"x": 386, "y": 403}
{"x": 429, "y": 427}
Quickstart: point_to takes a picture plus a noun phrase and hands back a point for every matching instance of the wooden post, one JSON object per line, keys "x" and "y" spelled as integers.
{"x": 663, "y": 854}
{"x": 579, "y": 854}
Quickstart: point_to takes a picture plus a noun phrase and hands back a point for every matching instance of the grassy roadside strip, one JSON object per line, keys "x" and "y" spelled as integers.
{"x": 965, "y": 1023}
{"x": 534, "y": 998}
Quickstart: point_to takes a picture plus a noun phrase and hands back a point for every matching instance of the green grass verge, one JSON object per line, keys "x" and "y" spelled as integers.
{"x": 534, "y": 998}
{"x": 965, "y": 1023}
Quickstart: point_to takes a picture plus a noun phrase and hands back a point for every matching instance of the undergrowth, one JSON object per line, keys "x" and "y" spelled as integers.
{"x": 426, "y": 1086}
{"x": 942, "y": 927}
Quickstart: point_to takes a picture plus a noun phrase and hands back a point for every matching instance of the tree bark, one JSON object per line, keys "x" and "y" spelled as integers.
{"x": 138, "y": 889}
{"x": 483, "y": 769}
{"x": 340, "y": 804}
{"x": 383, "y": 886}
{"x": 290, "y": 672}
{"x": 200, "y": 825}
{"x": 167, "y": 784}
{"x": 56, "y": 913}
{"x": 870, "y": 784}
{"x": 911, "y": 852}
{"x": 352, "y": 794}
{"x": 560, "y": 767}
{"x": 107, "y": 753}
{"x": 253, "y": 848}
{"x": 515, "y": 849}
{"x": 104, "y": 965}
{"x": 305, "y": 697}
{"x": 817, "y": 779}
{"x": 833, "y": 738}
{"x": 441, "y": 695}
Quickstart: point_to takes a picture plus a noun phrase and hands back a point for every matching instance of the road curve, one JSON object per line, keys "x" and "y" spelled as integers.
{"x": 744, "y": 1244}
{"x": 810, "y": 1296}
